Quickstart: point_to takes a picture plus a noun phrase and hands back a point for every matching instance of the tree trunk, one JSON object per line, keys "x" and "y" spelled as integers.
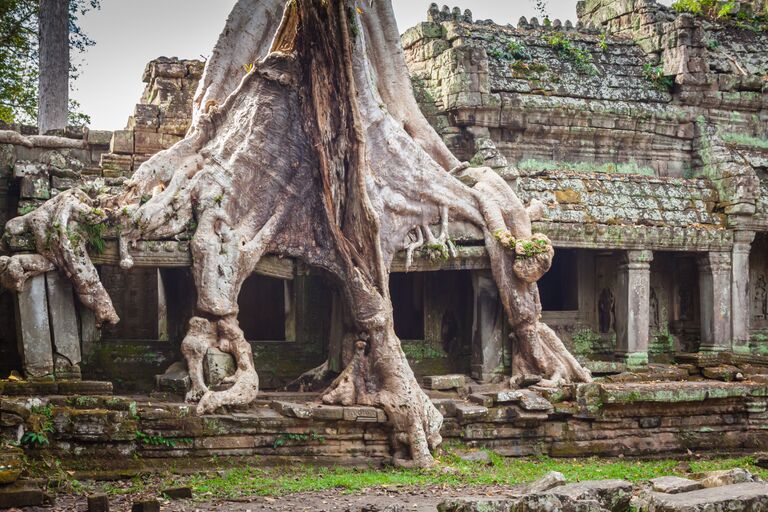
{"x": 53, "y": 99}
{"x": 319, "y": 153}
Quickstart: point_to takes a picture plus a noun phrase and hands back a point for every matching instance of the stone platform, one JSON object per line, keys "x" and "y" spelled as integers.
{"x": 642, "y": 419}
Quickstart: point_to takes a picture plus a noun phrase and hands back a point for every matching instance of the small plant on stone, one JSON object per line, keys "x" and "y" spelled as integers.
{"x": 584, "y": 341}
{"x": 285, "y": 438}
{"x": 40, "y": 423}
{"x": 712, "y": 44}
{"x": 147, "y": 439}
{"x": 568, "y": 51}
{"x": 603, "y": 43}
{"x": 655, "y": 74}
{"x": 531, "y": 248}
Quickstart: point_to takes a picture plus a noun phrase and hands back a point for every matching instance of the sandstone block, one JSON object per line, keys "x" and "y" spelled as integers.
{"x": 175, "y": 379}
{"x": 98, "y": 503}
{"x": 328, "y": 412}
{"x": 147, "y": 142}
{"x": 610, "y": 494}
{"x": 178, "y": 493}
{"x": 361, "y": 414}
{"x": 122, "y": 142}
{"x": 18, "y": 495}
{"x": 217, "y": 366}
{"x": 99, "y": 137}
{"x": 481, "y": 399}
{"x": 726, "y": 477}
{"x": 11, "y": 464}
{"x": 547, "y": 482}
{"x": 467, "y": 412}
{"x": 733, "y": 498}
{"x": 146, "y": 506}
{"x": 291, "y": 409}
{"x": 674, "y": 484}
{"x": 444, "y": 382}
{"x": 726, "y": 373}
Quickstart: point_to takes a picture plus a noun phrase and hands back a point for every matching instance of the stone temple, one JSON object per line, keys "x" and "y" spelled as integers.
{"x": 644, "y": 131}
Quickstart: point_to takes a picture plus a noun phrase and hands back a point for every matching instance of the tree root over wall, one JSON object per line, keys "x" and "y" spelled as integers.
{"x": 318, "y": 153}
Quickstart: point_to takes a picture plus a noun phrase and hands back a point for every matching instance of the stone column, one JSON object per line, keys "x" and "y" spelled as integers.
{"x": 740, "y": 304}
{"x": 632, "y": 307}
{"x": 486, "y": 327}
{"x": 33, "y": 331}
{"x": 64, "y": 327}
{"x": 715, "y": 300}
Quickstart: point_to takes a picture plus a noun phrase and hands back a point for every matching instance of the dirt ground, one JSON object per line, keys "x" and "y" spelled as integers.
{"x": 379, "y": 499}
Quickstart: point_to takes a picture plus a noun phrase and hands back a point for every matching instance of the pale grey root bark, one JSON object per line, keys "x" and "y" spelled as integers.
{"x": 53, "y": 94}
{"x": 320, "y": 154}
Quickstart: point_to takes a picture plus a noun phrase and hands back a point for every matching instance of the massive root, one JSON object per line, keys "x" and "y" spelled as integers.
{"x": 319, "y": 153}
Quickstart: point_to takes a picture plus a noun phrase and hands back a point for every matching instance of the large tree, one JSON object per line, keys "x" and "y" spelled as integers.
{"x": 20, "y": 57}
{"x": 319, "y": 153}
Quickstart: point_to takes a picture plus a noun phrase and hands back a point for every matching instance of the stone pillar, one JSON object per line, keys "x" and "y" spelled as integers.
{"x": 632, "y": 307}
{"x": 715, "y": 300}
{"x": 33, "y": 329}
{"x": 64, "y": 327}
{"x": 486, "y": 327}
{"x": 740, "y": 304}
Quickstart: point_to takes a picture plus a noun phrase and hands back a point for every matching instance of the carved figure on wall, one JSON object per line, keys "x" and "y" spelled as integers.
{"x": 316, "y": 151}
{"x": 654, "y": 309}
{"x": 760, "y": 304}
{"x": 606, "y": 311}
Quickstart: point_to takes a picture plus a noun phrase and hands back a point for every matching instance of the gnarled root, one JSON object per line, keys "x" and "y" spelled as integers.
{"x": 17, "y": 269}
{"x": 226, "y": 335}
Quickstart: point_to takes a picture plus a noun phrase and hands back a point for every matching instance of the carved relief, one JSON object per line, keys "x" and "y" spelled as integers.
{"x": 606, "y": 311}
{"x": 760, "y": 298}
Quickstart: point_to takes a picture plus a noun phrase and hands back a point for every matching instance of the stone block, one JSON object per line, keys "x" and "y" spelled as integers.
{"x": 178, "y": 493}
{"x": 361, "y": 414}
{"x": 481, "y": 399}
{"x": 63, "y": 319}
{"x": 674, "y": 484}
{"x": 444, "y": 382}
{"x": 146, "y": 117}
{"x": 546, "y": 483}
{"x": 723, "y": 478}
{"x": 85, "y": 387}
{"x": 610, "y": 494}
{"x": 99, "y": 137}
{"x": 217, "y": 366}
{"x": 740, "y": 497}
{"x": 528, "y": 400}
{"x": 122, "y": 165}
{"x": 34, "y": 181}
{"x": 175, "y": 379}
{"x": 726, "y": 373}
{"x": 327, "y": 412}
{"x": 11, "y": 463}
{"x": 19, "y": 495}
{"x": 146, "y": 506}
{"x": 467, "y": 412}
{"x": 122, "y": 142}
{"x": 35, "y": 333}
{"x": 446, "y": 406}
{"x": 98, "y": 503}
{"x": 147, "y": 142}
{"x": 292, "y": 410}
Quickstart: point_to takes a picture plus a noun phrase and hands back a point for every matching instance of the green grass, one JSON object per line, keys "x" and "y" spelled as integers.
{"x": 609, "y": 168}
{"x": 222, "y": 482}
{"x": 451, "y": 471}
{"x": 745, "y": 140}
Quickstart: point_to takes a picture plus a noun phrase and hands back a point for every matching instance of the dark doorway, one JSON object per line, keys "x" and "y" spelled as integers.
{"x": 559, "y": 288}
{"x": 407, "y": 292}
{"x": 265, "y": 304}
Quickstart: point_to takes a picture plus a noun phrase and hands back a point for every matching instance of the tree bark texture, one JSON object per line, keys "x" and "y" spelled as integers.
{"x": 53, "y": 99}
{"x": 318, "y": 153}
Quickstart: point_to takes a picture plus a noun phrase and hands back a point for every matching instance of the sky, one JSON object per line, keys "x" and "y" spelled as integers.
{"x": 130, "y": 33}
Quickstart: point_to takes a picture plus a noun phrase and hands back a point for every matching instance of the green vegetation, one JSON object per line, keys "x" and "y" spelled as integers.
{"x": 19, "y": 55}
{"x": 451, "y": 471}
{"x": 39, "y": 425}
{"x": 744, "y": 140}
{"x": 287, "y": 438}
{"x": 420, "y": 350}
{"x": 630, "y": 167}
{"x": 720, "y": 10}
{"x": 584, "y": 341}
{"x": 568, "y": 51}
{"x": 531, "y": 248}
{"x": 655, "y": 75}
{"x": 143, "y": 438}
{"x": 94, "y": 236}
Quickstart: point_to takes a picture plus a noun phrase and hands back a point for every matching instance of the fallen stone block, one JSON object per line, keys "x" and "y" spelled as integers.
{"x": 467, "y": 412}
{"x": 481, "y": 399}
{"x": 674, "y": 484}
{"x": 364, "y": 414}
{"x": 292, "y": 410}
{"x": 547, "y": 482}
{"x": 85, "y": 387}
{"x": 178, "y": 493}
{"x": 146, "y": 506}
{"x": 175, "y": 379}
{"x": 476, "y": 456}
{"x": 442, "y": 382}
{"x": 11, "y": 464}
{"x": 746, "y": 497}
{"x": 725, "y": 477}
{"x": 610, "y": 494}
{"x": 446, "y": 406}
{"x": 217, "y": 366}
{"x": 20, "y": 495}
{"x": 526, "y": 398}
{"x": 327, "y": 412}
{"x": 726, "y": 373}
{"x": 98, "y": 503}
{"x": 476, "y": 505}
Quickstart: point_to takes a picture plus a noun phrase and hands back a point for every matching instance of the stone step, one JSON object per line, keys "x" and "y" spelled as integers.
{"x": 745, "y": 497}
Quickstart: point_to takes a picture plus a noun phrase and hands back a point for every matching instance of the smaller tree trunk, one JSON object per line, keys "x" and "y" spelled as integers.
{"x": 53, "y": 99}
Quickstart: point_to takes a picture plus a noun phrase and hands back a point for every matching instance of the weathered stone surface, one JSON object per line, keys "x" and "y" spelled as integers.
{"x": 20, "y": 495}
{"x": 481, "y": 399}
{"x": 467, "y": 412}
{"x": 745, "y": 497}
{"x": 610, "y": 494}
{"x": 293, "y": 410}
{"x": 146, "y": 506}
{"x": 725, "y": 373}
{"x": 361, "y": 414}
{"x": 547, "y": 482}
{"x": 217, "y": 366}
{"x": 36, "y": 346}
{"x": 98, "y": 503}
{"x": 528, "y": 400}
{"x": 175, "y": 379}
{"x": 63, "y": 320}
{"x": 11, "y": 464}
{"x": 674, "y": 484}
{"x": 178, "y": 493}
{"x": 474, "y": 456}
{"x": 725, "y": 477}
{"x": 444, "y": 382}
